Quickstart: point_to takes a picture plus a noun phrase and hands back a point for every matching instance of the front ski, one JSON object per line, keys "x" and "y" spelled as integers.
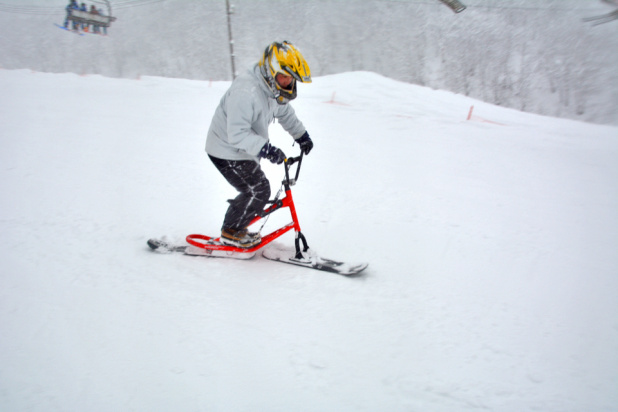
{"x": 164, "y": 246}
{"x": 313, "y": 261}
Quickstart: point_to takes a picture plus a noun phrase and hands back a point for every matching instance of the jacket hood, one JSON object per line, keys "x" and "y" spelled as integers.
{"x": 263, "y": 84}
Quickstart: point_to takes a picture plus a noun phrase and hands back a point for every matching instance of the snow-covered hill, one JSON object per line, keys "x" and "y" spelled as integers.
{"x": 532, "y": 55}
{"x": 492, "y": 247}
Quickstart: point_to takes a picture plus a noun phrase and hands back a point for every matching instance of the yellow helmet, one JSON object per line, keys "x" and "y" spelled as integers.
{"x": 286, "y": 59}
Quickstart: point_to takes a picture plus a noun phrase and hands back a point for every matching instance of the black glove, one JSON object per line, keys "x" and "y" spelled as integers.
{"x": 305, "y": 143}
{"x": 272, "y": 153}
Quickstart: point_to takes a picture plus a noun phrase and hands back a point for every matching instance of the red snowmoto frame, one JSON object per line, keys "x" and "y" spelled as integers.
{"x": 210, "y": 243}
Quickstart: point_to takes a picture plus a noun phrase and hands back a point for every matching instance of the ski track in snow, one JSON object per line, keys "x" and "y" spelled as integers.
{"x": 492, "y": 247}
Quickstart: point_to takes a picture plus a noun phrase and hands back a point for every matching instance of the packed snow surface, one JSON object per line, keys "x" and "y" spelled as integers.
{"x": 492, "y": 245}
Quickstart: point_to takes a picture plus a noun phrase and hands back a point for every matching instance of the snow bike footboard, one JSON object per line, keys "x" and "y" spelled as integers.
{"x": 210, "y": 243}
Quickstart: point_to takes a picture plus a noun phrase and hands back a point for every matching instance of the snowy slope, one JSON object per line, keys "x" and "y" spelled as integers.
{"x": 492, "y": 247}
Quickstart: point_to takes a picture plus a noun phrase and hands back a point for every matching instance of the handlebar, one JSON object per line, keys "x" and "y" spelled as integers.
{"x": 289, "y": 162}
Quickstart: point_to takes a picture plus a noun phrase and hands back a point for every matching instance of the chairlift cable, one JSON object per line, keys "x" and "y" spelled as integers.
{"x": 135, "y": 3}
{"x": 125, "y": 4}
{"x": 471, "y": 4}
{"x": 48, "y": 11}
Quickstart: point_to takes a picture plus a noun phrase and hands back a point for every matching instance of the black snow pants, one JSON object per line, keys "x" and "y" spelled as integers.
{"x": 248, "y": 178}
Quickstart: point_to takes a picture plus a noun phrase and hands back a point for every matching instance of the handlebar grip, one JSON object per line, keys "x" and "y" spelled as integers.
{"x": 291, "y": 160}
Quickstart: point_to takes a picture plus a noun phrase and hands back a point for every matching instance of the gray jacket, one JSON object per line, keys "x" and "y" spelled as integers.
{"x": 239, "y": 127}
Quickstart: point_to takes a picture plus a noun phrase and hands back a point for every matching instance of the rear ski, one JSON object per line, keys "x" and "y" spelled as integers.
{"x": 164, "y": 246}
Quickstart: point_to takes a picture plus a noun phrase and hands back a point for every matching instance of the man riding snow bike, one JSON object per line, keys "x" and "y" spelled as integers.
{"x": 238, "y": 134}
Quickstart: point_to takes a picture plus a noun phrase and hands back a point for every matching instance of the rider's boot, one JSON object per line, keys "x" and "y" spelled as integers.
{"x": 241, "y": 238}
